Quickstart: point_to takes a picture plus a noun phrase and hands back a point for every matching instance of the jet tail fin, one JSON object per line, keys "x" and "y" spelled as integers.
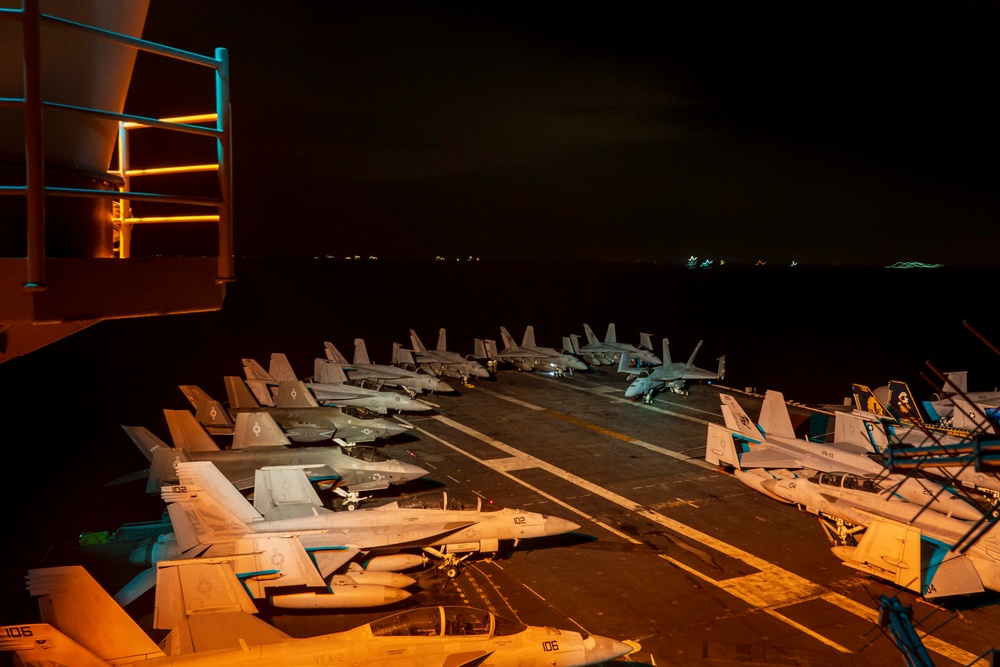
{"x": 295, "y": 395}
{"x": 611, "y": 336}
{"x": 866, "y": 401}
{"x": 361, "y": 352}
{"x": 207, "y": 410}
{"x": 209, "y": 503}
{"x": 258, "y": 429}
{"x": 970, "y": 417}
{"x": 416, "y": 342}
{"x": 529, "y": 337}
{"x": 774, "y": 418}
{"x": 239, "y": 394}
{"x": 958, "y": 382}
{"x": 860, "y": 428}
{"x": 326, "y": 372}
{"x": 666, "y": 352}
{"x": 262, "y": 392}
{"x": 589, "y": 333}
{"x": 186, "y": 432}
{"x": 737, "y": 419}
{"x": 721, "y": 372}
{"x": 401, "y": 355}
{"x": 254, "y": 371}
{"x": 508, "y": 340}
{"x": 690, "y": 361}
{"x": 569, "y": 345}
{"x": 281, "y": 368}
{"x": 625, "y": 364}
{"x": 442, "y": 344}
{"x": 902, "y": 404}
{"x": 646, "y": 341}
{"x": 79, "y": 608}
{"x": 334, "y": 355}
{"x": 162, "y": 470}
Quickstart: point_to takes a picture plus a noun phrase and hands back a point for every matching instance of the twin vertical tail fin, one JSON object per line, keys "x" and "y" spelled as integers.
{"x": 774, "y": 418}
{"x": 690, "y": 361}
{"x": 902, "y": 405}
{"x": 866, "y": 401}
{"x": 529, "y": 337}
{"x": 442, "y": 345}
{"x": 401, "y": 355}
{"x": 589, "y": 333}
{"x": 240, "y": 396}
{"x": 205, "y": 507}
{"x": 416, "y": 343}
{"x": 361, "y": 352}
{"x": 207, "y": 410}
{"x": 327, "y": 372}
{"x": 611, "y": 336}
{"x": 508, "y": 340}
{"x": 737, "y": 419}
{"x": 281, "y": 368}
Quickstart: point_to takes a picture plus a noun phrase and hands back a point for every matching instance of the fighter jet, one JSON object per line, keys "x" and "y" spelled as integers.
{"x": 956, "y": 387}
{"x": 440, "y": 361}
{"x": 210, "y": 619}
{"x": 298, "y": 413}
{"x": 872, "y": 528}
{"x": 449, "y": 528}
{"x": 609, "y": 352}
{"x": 530, "y": 357}
{"x": 772, "y": 445}
{"x": 364, "y": 372}
{"x": 670, "y": 375}
{"x": 329, "y": 386}
{"x": 258, "y": 442}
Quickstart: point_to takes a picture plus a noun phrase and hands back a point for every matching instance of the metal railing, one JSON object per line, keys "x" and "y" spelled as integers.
{"x": 35, "y": 190}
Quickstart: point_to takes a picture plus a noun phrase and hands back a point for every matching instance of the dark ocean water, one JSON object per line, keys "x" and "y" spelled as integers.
{"x": 807, "y": 332}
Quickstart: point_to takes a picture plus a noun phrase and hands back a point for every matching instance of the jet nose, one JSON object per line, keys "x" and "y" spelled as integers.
{"x": 632, "y": 390}
{"x": 411, "y": 471}
{"x": 556, "y": 526}
{"x": 395, "y": 428}
{"x": 597, "y": 649}
{"x": 394, "y": 595}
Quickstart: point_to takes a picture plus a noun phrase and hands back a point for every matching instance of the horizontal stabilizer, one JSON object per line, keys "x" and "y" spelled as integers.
{"x": 954, "y": 575}
{"x": 767, "y": 457}
{"x": 198, "y": 586}
{"x": 277, "y": 486}
{"x": 278, "y": 560}
{"x": 889, "y": 550}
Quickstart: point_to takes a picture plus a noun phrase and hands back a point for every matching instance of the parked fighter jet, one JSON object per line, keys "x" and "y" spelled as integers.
{"x": 329, "y": 386}
{"x": 957, "y": 386}
{"x": 258, "y": 442}
{"x": 609, "y": 352}
{"x": 302, "y": 418}
{"x": 872, "y": 529}
{"x": 669, "y": 375}
{"x": 210, "y": 619}
{"x": 450, "y": 528}
{"x": 530, "y": 357}
{"x": 772, "y": 445}
{"x": 440, "y": 361}
{"x": 364, "y": 372}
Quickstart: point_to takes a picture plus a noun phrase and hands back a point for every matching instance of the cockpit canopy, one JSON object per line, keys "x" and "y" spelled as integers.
{"x": 443, "y": 500}
{"x": 366, "y": 453}
{"x": 444, "y": 622}
{"x": 847, "y": 481}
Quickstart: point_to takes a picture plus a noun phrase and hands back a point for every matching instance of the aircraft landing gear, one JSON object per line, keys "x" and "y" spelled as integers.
{"x": 351, "y": 499}
{"x": 840, "y": 533}
{"x": 450, "y": 563}
{"x": 647, "y": 398}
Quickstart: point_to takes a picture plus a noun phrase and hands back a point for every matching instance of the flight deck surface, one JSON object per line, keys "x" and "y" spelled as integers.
{"x": 672, "y": 552}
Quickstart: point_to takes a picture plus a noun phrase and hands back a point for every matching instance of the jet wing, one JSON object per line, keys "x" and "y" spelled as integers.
{"x": 186, "y": 588}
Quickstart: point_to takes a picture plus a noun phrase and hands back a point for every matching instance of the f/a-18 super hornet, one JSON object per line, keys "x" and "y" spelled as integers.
{"x": 772, "y": 445}
{"x": 257, "y": 443}
{"x": 440, "y": 361}
{"x": 210, "y": 621}
{"x": 296, "y": 410}
{"x": 675, "y": 376}
{"x": 362, "y": 371}
{"x": 873, "y": 528}
{"x": 447, "y": 527}
{"x": 609, "y": 352}
{"x": 530, "y": 357}
{"x": 330, "y": 387}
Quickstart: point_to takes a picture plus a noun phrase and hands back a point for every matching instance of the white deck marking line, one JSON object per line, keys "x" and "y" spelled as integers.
{"x": 771, "y": 587}
{"x": 500, "y": 469}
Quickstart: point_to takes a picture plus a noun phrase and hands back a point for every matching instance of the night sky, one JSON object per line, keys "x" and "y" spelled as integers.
{"x": 825, "y": 133}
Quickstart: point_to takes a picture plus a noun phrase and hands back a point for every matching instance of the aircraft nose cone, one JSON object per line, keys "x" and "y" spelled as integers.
{"x": 411, "y": 471}
{"x": 395, "y": 428}
{"x": 769, "y": 485}
{"x": 556, "y": 526}
{"x": 632, "y": 390}
{"x": 394, "y": 595}
{"x": 597, "y": 649}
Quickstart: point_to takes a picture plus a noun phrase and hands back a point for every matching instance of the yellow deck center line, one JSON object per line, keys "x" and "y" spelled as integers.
{"x": 753, "y": 589}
